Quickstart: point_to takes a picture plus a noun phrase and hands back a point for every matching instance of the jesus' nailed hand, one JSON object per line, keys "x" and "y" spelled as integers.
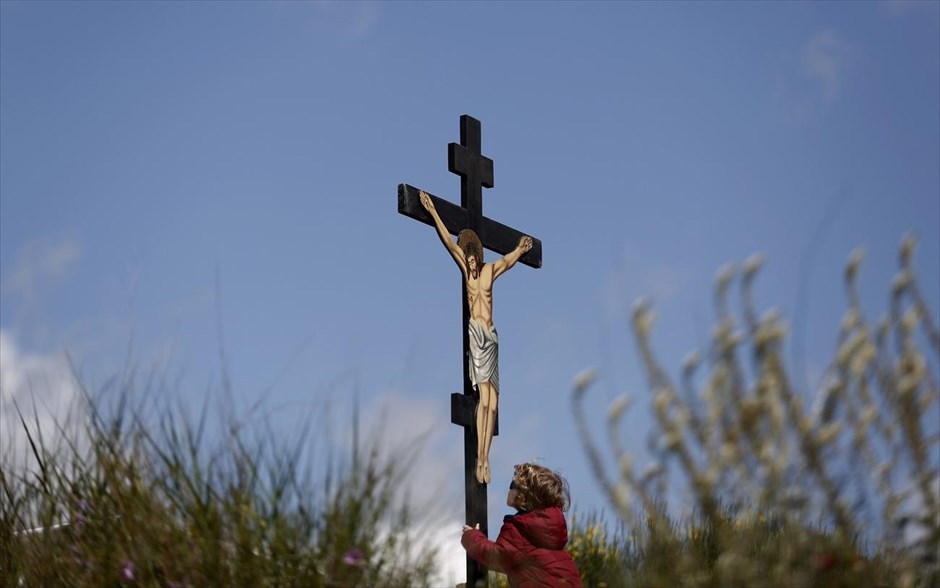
{"x": 484, "y": 342}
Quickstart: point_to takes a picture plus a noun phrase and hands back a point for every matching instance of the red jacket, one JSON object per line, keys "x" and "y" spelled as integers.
{"x": 530, "y": 550}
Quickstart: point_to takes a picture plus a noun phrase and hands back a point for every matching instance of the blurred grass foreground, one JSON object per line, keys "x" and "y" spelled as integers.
{"x": 126, "y": 500}
{"x": 776, "y": 490}
{"x": 773, "y": 489}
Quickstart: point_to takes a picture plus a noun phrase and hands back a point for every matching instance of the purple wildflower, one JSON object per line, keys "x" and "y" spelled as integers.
{"x": 127, "y": 574}
{"x": 82, "y": 511}
{"x": 354, "y": 557}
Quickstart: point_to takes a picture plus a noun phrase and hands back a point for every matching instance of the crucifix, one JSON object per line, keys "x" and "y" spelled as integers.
{"x": 475, "y": 408}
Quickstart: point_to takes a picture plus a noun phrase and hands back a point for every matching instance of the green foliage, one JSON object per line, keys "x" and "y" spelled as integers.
{"x": 784, "y": 495}
{"x": 148, "y": 504}
{"x": 603, "y": 557}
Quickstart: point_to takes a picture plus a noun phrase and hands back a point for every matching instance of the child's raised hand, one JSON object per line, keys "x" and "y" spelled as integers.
{"x": 469, "y": 528}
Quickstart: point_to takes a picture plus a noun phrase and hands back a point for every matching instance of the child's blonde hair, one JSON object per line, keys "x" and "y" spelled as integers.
{"x": 540, "y": 487}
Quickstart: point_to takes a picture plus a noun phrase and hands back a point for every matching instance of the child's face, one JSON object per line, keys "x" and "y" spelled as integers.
{"x": 514, "y": 497}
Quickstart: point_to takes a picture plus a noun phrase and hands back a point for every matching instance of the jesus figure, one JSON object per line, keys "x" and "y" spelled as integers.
{"x": 484, "y": 342}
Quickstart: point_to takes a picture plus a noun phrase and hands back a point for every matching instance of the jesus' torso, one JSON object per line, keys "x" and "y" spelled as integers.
{"x": 480, "y": 295}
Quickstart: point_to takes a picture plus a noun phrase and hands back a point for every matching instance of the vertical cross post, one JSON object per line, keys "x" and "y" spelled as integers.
{"x": 476, "y": 172}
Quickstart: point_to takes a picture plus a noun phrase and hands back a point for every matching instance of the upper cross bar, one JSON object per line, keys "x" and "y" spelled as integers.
{"x": 494, "y": 235}
{"x": 476, "y": 170}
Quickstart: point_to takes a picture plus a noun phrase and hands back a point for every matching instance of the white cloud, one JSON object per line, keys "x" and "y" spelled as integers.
{"x": 451, "y": 556}
{"x": 444, "y": 538}
{"x": 815, "y": 75}
{"x": 354, "y": 20}
{"x": 826, "y": 60}
{"x": 898, "y": 7}
{"x": 636, "y": 277}
{"x": 39, "y": 264}
{"x": 43, "y": 389}
{"x": 401, "y": 424}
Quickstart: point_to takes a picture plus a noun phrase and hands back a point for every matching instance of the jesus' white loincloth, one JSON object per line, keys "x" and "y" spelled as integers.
{"x": 484, "y": 355}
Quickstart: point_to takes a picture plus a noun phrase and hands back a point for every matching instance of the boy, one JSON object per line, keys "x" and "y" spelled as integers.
{"x": 530, "y": 548}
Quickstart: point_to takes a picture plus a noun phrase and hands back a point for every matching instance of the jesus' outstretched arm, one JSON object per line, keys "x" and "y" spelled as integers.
{"x": 501, "y": 266}
{"x": 452, "y": 248}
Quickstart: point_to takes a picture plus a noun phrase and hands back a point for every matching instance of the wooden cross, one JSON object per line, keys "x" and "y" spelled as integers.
{"x": 476, "y": 172}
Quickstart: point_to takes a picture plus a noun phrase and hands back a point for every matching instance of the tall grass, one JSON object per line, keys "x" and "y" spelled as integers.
{"x": 843, "y": 491}
{"x": 143, "y": 497}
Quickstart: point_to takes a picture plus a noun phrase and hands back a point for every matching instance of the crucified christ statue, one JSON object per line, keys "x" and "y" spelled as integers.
{"x": 484, "y": 342}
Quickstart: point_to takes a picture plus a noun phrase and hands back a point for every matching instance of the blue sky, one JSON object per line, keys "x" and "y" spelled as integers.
{"x": 166, "y": 168}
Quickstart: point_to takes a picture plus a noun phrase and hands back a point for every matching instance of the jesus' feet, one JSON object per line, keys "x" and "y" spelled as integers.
{"x": 480, "y": 475}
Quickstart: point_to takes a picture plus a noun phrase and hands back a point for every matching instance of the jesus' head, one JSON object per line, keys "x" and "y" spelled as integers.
{"x": 472, "y": 249}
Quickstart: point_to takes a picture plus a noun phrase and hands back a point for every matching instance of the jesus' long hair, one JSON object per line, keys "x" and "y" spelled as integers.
{"x": 469, "y": 243}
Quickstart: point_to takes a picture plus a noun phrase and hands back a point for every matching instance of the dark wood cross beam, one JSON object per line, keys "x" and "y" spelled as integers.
{"x": 476, "y": 172}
